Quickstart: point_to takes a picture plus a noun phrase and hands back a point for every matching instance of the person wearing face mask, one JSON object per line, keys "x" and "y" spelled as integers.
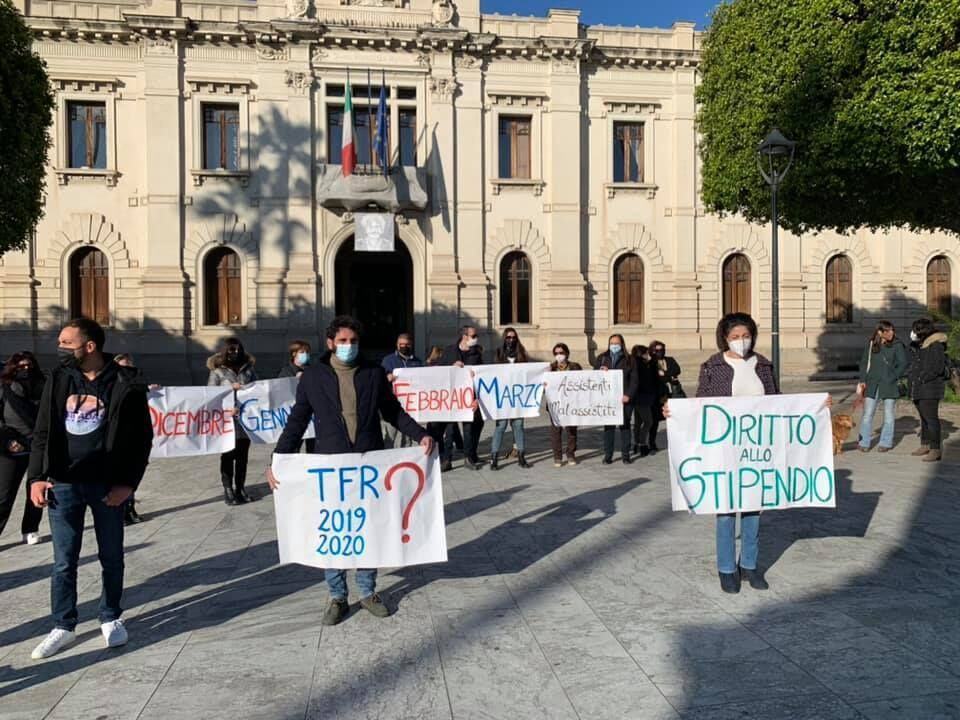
{"x": 647, "y": 401}
{"x": 402, "y": 358}
{"x": 22, "y": 384}
{"x": 233, "y": 367}
{"x": 928, "y": 374}
{"x": 562, "y": 363}
{"x": 512, "y": 351}
{"x": 345, "y": 398}
{"x": 464, "y": 353}
{"x": 667, "y": 371}
{"x": 617, "y": 358}
{"x": 91, "y": 445}
{"x": 298, "y": 353}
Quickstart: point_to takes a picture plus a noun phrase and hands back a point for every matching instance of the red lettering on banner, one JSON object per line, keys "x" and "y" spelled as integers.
{"x": 199, "y": 422}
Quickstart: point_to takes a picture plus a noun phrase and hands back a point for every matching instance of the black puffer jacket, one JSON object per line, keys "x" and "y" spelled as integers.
{"x": 631, "y": 380}
{"x": 928, "y": 371}
{"x": 318, "y": 396}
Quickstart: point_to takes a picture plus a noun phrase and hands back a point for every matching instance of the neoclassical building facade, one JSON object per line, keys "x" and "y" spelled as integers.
{"x": 541, "y": 174}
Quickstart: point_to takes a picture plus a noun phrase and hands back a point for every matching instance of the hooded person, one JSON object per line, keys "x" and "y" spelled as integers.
{"x": 233, "y": 366}
{"x": 928, "y": 375}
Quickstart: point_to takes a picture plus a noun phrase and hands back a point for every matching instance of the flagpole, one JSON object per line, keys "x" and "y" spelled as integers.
{"x": 386, "y": 149}
{"x": 369, "y": 121}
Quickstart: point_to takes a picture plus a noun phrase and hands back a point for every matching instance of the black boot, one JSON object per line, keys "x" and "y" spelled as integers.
{"x": 494, "y": 464}
{"x": 228, "y": 497}
{"x": 522, "y": 460}
{"x": 627, "y": 459}
{"x": 730, "y": 582}
{"x": 754, "y": 578}
{"x": 644, "y": 451}
{"x": 241, "y": 495}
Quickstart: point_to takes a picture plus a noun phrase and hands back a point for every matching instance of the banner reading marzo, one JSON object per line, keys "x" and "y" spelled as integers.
{"x": 751, "y": 453}
{"x": 377, "y": 509}
{"x": 506, "y": 391}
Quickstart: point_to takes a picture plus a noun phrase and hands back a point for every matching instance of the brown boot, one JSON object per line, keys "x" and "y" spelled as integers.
{"x": 932, "y": 456}
{"x": 922, "y": 450}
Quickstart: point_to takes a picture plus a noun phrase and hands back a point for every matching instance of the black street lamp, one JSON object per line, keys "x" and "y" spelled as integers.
{"x": 774, "y": 158}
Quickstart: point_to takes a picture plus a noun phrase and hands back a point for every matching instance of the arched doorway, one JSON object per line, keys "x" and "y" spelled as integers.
{"x": 376, "y": 288}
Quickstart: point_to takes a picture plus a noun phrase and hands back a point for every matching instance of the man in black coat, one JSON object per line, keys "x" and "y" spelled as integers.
{"x": 91, "y": 445}
{"x": 346, "y": 398}
{"x": 464, "y": 353}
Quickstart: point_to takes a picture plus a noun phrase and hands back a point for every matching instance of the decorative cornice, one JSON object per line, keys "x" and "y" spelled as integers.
{"x": 219, "y": 86}
{"x": 84, "y": 83}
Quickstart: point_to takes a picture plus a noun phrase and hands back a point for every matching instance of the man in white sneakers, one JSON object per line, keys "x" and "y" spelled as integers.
{"x": 90, "y": 449}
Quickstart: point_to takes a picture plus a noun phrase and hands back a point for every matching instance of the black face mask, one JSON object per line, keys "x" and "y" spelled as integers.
{"x": 68, "y": 358}
{"x": 660, "y": 352}
{"x": 234, "y": 356}
{"x": 405, "y": 350}
{"x": 22, "y": 376}
{"x": 511, "y": 343}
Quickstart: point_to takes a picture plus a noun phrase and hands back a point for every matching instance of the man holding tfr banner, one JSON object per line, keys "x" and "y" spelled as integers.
{"x": 346, "y": 398}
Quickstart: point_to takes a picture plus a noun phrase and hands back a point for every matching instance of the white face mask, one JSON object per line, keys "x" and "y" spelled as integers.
{"x": 471, "y": 342}
{"x": 561, "y": 359}
{"x": 741, "y": 347}
{"x": 913, "y": 336}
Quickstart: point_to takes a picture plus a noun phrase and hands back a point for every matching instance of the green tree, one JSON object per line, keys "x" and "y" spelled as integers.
{"x": 26, "y": 105}
{"x": 869, "y": 90}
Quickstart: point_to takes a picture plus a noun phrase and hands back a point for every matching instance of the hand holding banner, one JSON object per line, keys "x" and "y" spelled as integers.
{"x": 743, "y": 454}
{"x": 191, "y": 421}
{"x": 585, "y": 397}
{"x": 377, "y": 509}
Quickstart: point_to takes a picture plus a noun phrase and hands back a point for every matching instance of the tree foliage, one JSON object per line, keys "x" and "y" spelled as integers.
{"x": 869, "y": 89}
{"x": 26, "y": 105}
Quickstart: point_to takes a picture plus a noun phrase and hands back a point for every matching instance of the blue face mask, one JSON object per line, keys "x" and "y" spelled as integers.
{"x": 615, "y": 349}
{"x": 347, "y": 353}
{"x": 303, "y": 358}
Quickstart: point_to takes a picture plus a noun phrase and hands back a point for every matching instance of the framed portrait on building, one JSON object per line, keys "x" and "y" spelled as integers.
{"x": 374, "y": 232}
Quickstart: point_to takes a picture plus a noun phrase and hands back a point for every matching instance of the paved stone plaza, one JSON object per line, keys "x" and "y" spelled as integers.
{"x": 570, "y": 593}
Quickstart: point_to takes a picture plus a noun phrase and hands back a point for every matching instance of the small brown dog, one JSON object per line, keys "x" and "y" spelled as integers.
{"x": 842, "y": 425}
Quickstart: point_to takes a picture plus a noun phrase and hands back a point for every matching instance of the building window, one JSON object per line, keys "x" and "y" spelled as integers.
{"x": 839, "y": 290}
{"x": 515, "y": 279}
{"x": 408, "y": 137}
{"x": 736, "y": 284}
{"x": 221, "y": 137}
{"x": 939, "y": 296}
{"x": 222, "y": 288}
{"x": 515, "y": 147}
{"x": 90, "y": 285}
{"x": 87, "y": 134}
{"x": 364, "y": 132}
{"x": 628, "y": 152}
{"x": 628, "y": 290}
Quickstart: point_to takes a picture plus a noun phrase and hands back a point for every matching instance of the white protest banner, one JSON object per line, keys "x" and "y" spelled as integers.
{"x": 509, "y": 390}
{"x": 377, "y": 509}
{"x": 191, "y": 421}
{"x": 264, "y": 408}
{"x": 585, "y": 397}
{"x": 751, "y": 453}
{"x": 435, "y": 394}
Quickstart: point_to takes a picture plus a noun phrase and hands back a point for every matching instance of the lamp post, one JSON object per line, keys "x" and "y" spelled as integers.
{"x": 774, "y": 158}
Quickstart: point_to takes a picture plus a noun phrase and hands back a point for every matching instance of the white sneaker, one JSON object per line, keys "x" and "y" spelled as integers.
{"x": 31, "y": 538}
{"x": 114, "y": 633}
{"x": 57, "y": 640}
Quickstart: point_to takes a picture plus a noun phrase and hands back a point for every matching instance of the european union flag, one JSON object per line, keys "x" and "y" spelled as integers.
{"x": 381, "y": 145}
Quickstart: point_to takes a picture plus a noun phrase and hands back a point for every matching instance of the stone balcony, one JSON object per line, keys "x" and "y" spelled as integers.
{"x": 402, "y": 189}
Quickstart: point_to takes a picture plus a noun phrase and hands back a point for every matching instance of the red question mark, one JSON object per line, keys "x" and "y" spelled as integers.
{"x": 421, "y": 481}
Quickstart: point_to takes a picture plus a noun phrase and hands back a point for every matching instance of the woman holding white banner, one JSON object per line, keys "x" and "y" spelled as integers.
{"x": 617, "y": 358}
{"x": 562, "y": 363}
{"x": 512, "y": 351}
{"x": 234, "y": 367}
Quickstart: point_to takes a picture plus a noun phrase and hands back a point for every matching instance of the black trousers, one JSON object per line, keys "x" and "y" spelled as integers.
{"x": 12, "y": 470}
{"x": 609, "y": 433}
{"x": 233, "y": 465}
{"x": 471, "y": 438}
{"x": 643, "y": 425}
{"x": 929, "y": 410}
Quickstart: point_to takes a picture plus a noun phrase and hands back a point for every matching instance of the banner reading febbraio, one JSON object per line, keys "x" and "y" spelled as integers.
{"x": 509, "y": 390}
{"x": 191, "y": 421}
{"x": 377, "y": 509}
{"x": 585, "y": 397}
{"x": 265, "y": 407}
{"x": 751, "y": 453}
{"x": 435, "y": 394}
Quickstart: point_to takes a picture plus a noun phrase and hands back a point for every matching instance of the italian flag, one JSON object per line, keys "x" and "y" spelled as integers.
{"x": 348, "y": 151}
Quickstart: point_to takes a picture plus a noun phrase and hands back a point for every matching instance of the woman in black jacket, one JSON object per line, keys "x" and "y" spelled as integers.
{"x": 928, "y": 373}
{"x": 646, "y": 403}
{"x": 617, "y": 358}
{"x": 22, "y": 386}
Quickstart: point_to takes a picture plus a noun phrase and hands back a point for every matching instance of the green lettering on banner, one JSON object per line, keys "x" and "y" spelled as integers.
{"x": 756, "y": 481}
{"x": 765, "y": 487}
{"x": 830, "y": 483}
{"x": 716, "y": 474}
{"x": 813, "y": 429}
{"x": 797, "y": 473}
{"x": 691, "y": 478}
{"x": 771, "y": 426}
{"x": 746, "y": 429}
{"x": 783, "y": 483}
{"x": 703, "y": 427}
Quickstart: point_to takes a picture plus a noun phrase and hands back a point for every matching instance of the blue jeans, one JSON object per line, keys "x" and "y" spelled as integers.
{"x": 866, "y": 422}
{"x": 501, "y": 429}
{"x": 67, "y": 514}
{"x": 337, "y": 582}
{"x": 727, "y": 541}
